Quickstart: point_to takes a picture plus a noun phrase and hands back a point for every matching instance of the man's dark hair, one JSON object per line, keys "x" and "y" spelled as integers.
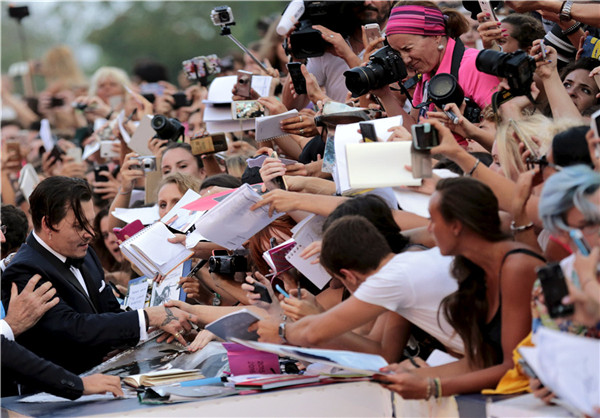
{"x": 377, "y": 211}
{"x": 53, "y": 198}
{"x": 221, "y": 180}
{"x": 150, "y": 71}
{"x": 16, "y": 228}
{"x": 353, "y": 243}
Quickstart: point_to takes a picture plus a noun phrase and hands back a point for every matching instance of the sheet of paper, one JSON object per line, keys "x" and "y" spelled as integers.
{"x": 268, "y": 127}
{"x": 569, "y": 364}
{"x": 217, "y": 113}
{"x": 350, "y": 134}
{"x": 90, "y": 149}
{"x": 146, "y": 215}
{"x": 379, "y": 164}
{"x": 220, "y": 89}
{"x": 136, "y": 293}
{"x": 229, "y": 126}
{"x": 183, "y": 219}
{"x": 142, "y": 135}
{"x": 122, "y": 130}
{"x": 167, "y": 289}
{"x": 415, "y": 202}
{"x": 439, "y": 358}
{"x": 231, "y": 222}
{"x": 46, "y": 135}
{"x": 48, "y": 398}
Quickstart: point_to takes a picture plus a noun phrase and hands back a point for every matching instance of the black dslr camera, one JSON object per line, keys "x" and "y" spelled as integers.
{"x": 444, "y": 89}
{"x": 167, "y": 128}
{"x": 385, "y": 66}
{"x": 307, "y": 42}
{"x": 223, "y": 263}
{"x": 517, "y": 67}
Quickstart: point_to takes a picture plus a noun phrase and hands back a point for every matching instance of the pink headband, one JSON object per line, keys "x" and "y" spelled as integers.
{"x": 416, "y": 20}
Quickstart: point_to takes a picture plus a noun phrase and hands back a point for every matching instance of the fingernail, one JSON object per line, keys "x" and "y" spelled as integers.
{"x": 503, "y": 29}
{"x": 505, "y": 34}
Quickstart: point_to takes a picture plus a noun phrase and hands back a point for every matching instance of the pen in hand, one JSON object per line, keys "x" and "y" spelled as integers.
{"x": 283, "y": 292}
{"x": 193, "y": 271}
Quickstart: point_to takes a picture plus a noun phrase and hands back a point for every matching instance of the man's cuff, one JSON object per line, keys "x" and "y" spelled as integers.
{"x": 143, "y": 327}
{"x": 6, "y": 330}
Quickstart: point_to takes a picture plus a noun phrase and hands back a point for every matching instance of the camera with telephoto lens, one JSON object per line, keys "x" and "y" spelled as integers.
{"x": 517, "y": 67}
{"x": 222, "y": 16}
{"x": 147, "y": 163}
{"x": 307, "y": 42}
{"x": 167, "y": 128}
{"x": 385, "y": 66}
{"x": 444, "y": 89}
{"x": 222, "y": 263}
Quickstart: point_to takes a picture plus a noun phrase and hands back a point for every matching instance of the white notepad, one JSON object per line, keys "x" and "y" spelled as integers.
{"x": 150, "y": 251}
{"x": 379, "y": 164}
{"x": 268, "y": 127}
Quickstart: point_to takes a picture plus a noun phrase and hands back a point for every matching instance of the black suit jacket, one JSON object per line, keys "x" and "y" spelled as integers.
{"x": 24, "y": 367}
{"x": 80, "y": 330}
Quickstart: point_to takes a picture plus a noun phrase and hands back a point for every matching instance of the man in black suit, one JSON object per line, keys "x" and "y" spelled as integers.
{"x": 18, "y": 363}
{"x": 87, "y": 323}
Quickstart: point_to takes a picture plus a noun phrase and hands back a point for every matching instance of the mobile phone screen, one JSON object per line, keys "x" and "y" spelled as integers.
{"x": 297, "y": 77}
{"x": 555, "y": 289}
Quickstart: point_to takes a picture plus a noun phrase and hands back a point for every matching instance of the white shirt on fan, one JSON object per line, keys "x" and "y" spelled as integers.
{"x": 413, "y": 284}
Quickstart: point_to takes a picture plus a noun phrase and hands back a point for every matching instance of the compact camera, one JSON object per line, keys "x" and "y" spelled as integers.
{"x": 147, "y": 163}
{"x": 517, "y": 67}
{"x": 385, "y": 66}
{"x": 222, "y": 16}
{"x": 167, "y": 128}
{"x": 222, "y": 263}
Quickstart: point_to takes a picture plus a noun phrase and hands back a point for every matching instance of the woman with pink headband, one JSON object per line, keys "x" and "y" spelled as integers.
{"x": 427, "y": 39}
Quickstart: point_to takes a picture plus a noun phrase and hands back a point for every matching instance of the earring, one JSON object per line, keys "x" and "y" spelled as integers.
{"x": 440, "y": 47}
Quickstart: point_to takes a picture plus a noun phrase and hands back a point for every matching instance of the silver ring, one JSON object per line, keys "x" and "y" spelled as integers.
{"x": 177, "y": 335}
{"x": 301, "y": 131}
{"x": 331, "y": 36}
{"x": 300, "y": 118}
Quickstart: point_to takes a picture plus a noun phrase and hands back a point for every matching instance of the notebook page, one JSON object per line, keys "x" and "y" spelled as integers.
{"x": 379, "y": 164}
{"x": 268, "y": 127}
{"x": 231, "y": 222}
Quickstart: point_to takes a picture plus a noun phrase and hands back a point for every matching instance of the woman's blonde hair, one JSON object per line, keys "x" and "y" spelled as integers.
{"x": 536, "y": 125}
{"x": 183, "y": 181}
{"x": 59, "y": 66}
{"x": 104, "y": 73}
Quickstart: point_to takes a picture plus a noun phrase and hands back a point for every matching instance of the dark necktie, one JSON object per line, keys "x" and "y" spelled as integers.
{"x": 75, "y": 262}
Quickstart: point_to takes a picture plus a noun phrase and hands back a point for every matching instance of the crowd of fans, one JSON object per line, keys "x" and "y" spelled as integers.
{"x": 526, "y": 173}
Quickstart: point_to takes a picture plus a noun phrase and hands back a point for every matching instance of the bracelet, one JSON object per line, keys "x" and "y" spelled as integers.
{"x": 430, "y": 383}
{"x": 121, "y": 192}
{"x": 514, "y": 228}
{"x": 571, "y": 30}
{"x": 470, "y": 173}
{"x": 438, "y": 387}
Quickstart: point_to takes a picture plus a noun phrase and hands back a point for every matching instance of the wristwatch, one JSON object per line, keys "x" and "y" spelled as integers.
{"x": 565, "y": 11}
{"x": 282, "y": 331}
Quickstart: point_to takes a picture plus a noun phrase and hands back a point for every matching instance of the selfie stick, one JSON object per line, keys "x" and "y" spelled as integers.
{"x": 226, "y": 31}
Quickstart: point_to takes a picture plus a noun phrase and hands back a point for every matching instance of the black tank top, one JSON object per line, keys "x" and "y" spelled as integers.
{"x": 492, "y": 332}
